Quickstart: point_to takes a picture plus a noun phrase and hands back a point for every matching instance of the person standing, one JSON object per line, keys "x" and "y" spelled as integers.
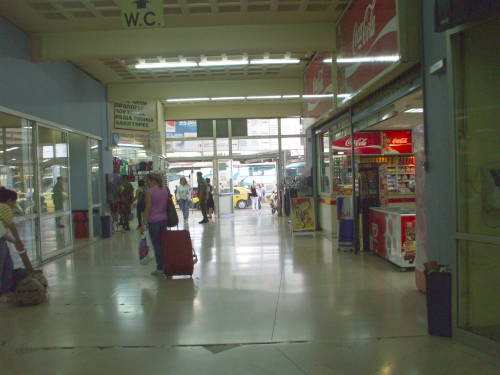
{"x": 183, "y": 195}
{"x": 155, "y": 214}
{"x": 126, "y": 199}
{"x": 58, "y": 199}
{"x": 203, "y": 196}
{"x": 210, "y": 200}
{"x": 140, "y": 197}
{"x": 254, "y": 196}
{"x": 8, "y": 200}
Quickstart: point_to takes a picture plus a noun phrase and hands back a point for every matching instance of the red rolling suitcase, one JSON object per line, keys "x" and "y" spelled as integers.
{"x": 179, "y": 256}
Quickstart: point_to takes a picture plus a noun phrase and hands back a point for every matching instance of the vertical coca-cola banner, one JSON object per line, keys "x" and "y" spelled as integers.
{"x": 317, "y": 81}
{"x": 367, "y": 42}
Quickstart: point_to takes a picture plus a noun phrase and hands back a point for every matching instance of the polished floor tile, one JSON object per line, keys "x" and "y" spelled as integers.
{"x": 261, "y": 301}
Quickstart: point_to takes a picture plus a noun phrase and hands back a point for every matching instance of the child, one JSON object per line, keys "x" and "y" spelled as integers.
{"x": 8, "y": 200}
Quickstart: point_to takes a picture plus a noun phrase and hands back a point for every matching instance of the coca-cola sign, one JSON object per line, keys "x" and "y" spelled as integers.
{"x": 364, "y": 143}
{"x": 317, "y": 81}
{"x": 367, "y": 43}
{"x": 397, "y": 142}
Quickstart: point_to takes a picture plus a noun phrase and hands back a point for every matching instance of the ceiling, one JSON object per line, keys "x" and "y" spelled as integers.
{"x": 89, "y": 34}
{"x": 85, "y": 15}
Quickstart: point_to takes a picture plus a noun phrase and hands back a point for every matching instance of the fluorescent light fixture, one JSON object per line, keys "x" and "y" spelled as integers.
{"x": 12, "y": 149}
{"x": 346, "y": 96}
{"x": 264, "y": 97}
{"x": 183, "y": 100}
{"x": 223, "y": 63}
{"x": 411, "y": 110}
{"x": 291, "y": 96}
{"x": 222, "y": 98}
{"x": 317, "y": 96}
{"x": 367, "y": 59}
{"x": 340, "y": 152}
{"x": 94, "y": 147}
{"x": 328, "y": 61}
{"x": 166, "y": 65}
{"x": 130, "y": 145}
{"x": 13, "y": 159}
{"x": 274, "y": 61}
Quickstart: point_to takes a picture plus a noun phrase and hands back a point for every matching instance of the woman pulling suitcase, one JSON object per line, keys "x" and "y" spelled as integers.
{"x": 155, "y": 215}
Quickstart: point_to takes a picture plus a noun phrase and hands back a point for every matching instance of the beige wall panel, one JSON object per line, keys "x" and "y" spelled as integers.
{"x": 231, "y": 110}
{"x": 197, "y": 89}
{"x": 181, "y": 41}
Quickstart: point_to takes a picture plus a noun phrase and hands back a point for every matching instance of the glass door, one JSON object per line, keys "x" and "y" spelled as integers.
{"x": 53, "y": 181}
{"x": 94, "y": 189}
{"x": 223, "y": 187}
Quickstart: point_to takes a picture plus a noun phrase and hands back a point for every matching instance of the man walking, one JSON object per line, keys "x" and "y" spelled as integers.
{"x": 203, "y": 196}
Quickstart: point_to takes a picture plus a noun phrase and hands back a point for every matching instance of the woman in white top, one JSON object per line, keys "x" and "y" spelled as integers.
{"x": 183, "y": 195}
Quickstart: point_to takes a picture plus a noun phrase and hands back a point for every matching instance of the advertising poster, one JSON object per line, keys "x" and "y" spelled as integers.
{"x": 367, "y": 34}
{"x": 364, "y": 143}
{"x": 397, "y": 142}
{"x": 136, "y": 116}
{"x": 303, "y": 219}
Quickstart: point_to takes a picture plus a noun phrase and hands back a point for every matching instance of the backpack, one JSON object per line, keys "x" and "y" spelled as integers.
{"x": 32, "y": 290}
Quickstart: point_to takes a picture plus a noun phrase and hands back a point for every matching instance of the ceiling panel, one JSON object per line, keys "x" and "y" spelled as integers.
{"x": 123, "y": 69}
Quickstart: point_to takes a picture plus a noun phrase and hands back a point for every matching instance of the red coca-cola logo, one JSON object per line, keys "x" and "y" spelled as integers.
{"x": 399, "y": 141}
{"x": 365, "y": 30}
{"x": 358, "y": 142}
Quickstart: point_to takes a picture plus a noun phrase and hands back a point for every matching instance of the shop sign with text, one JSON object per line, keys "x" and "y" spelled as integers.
{"x": 367, "y": 43}
{"x": 142, "y": 13}
{"x": 397, "y": 142}
{"x": 136, "y": 115}
{"x": 364, "y": 143}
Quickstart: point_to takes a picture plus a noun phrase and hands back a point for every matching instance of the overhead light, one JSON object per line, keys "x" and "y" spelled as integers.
{"x": 223, "y": 63}
{"x": 166, "y": 65}
{"x": 340, "y": 152}
{"x": 367, "y": 59}
{"x": 346, "y": 96}
{"x": 12, "y": 149}
{"x": 415, "y": 110}
{"x": 291, "y": 96}
{"x": 13, "y": 159}
{"x": 94, "y": 147}
{"x": 274, "y": 61}
{"x": 328, "y": 61}
{"x": 130, "y": 145}
{"x": 264, "y": 97}
{"x": 183, "y": 100}
{"x": 317, "y": 96}
{"x": 222, "y": 98}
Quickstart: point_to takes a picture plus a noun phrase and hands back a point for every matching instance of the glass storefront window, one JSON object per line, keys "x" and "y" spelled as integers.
{"x": 16, "y": 173}
{"x": 324, "y": 174}
{"x": 291, "y": 126}
{"x": 95, "y": 170}
{"x": 262, "y": 127}
{"x": 253, "y": 146}
{"x": 479, "y": 303}
{"x": 223, "y": 146}
{"x": 478, "y": 178}
{"x": 53, "y": 158}
{"x": 294, "y": 143}
{"x": 190, "y": 148}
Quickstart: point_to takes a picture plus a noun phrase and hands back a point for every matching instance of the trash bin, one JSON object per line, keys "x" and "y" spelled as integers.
{"x": 106, "y": 226}
{"x": 439, "y": 303}
{"x": 81, "y": 221}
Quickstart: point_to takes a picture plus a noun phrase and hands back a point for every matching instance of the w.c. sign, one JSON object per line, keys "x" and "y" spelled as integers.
{"x": 142, "y": 13}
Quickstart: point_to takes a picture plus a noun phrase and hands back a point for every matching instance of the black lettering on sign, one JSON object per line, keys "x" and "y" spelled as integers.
{"x": 146, "y": 21}
{"x": 131, "y": 19}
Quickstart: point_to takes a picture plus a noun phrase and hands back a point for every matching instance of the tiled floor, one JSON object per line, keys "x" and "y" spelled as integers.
{"x": 261, "y": 302}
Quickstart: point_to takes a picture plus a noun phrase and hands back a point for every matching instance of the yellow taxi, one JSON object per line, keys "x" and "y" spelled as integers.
{"x": 241, "y": 197}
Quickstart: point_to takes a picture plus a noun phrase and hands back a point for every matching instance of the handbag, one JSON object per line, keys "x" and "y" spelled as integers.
{"x": 172, "y": 218}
